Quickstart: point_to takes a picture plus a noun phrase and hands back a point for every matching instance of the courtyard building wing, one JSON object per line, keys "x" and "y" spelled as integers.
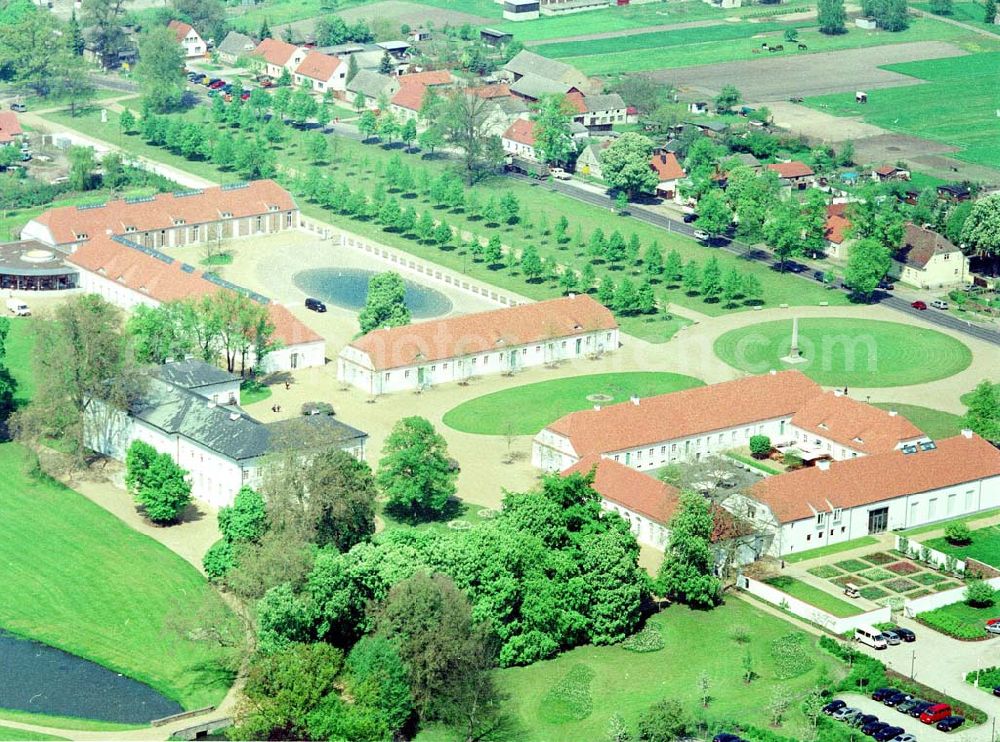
{"x": 855, "y": 425}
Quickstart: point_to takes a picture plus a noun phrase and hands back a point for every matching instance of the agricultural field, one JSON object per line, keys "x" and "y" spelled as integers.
{"x": 537, "y": 405}
{"x": 848, "y": 352}
{"x": 687, "y": 50}
{"x": 928, "y": 109}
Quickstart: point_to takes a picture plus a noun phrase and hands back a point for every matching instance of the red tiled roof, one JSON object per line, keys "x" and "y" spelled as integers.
{"x": 920, "y": 245}
{"x": 690, "y": 412}
{"x": 837, "y": 223}
{"x": 410, "y": 95}
{"x": 275, "y": 51}
{"x": 180, "y": 28}
{"x": 887, "y": 170}
{"x": 431, "y": 77}
{"x": 161, "y": 211}
{"x": 793, "y": 169}
{"x": 643, "y": 494}
{"x": 162, "y": 282}
{"x": 521, "y": 131}
{"x": 666, "y": 166}
{"x": 10, "y": 127}
{"x": 483, "y": 332}
{"x": 318, "y": 66}
{"x": 859, "y": 426}
{"x": 575, "y": 98}
{"x": 501, "y": 90}
{"x": 870, "y": 479}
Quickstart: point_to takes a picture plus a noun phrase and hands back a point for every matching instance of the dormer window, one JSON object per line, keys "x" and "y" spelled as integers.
{"x": 823, "y": 426}
{"x": 272, "y": 207}
{"x": 178, "y": 222}
{"x": 82, "y": 236}
{"x": 227, "y": 215}
{"x": 858, "y": 440}
{"x": 129, "y": 229}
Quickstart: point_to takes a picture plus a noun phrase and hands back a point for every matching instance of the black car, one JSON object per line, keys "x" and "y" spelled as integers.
{"x": 873, "y": 728}
{"x": 905, "y": 634}
{"x": 896, "y": 698}
{"x": 316, "y": 305}
{"x": 834, "y": 705}
{"x": 862, "y": 721}
{"x": 882, "y": 693}
{"x": 949, "y": 723}
{"x": 726, "y": 737}
{"x": 917, "y": 710}
{"x": 688, "y": 218}
{"x": 907, "y": 706}
{"x": 996, "y": 691}
{"x": 890, "y": 732}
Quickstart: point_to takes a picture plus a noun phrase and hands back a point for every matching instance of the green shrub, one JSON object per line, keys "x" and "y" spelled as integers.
{"x": 569, "y": 699}
{"x": 989, "y": 677}
{"x": 218, "y": 560}
{"x": 952, "y": 625}
{"x": 958, "y": 534}
{"x": 650, "y": 639}
{"x": 760, "y": 446}
{"x": 979, "y": 594}
{"x": 791, "y": 655}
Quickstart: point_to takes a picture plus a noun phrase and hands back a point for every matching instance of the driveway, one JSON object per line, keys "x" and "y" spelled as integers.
{"x": 923, "y": 732}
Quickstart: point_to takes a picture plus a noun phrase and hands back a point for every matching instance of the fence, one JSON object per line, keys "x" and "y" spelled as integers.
{"x": 425, "y": 270}
{"x": 929, "y": 602}
{"x": 937, "y": 559}
{"x": 811, "y": 613}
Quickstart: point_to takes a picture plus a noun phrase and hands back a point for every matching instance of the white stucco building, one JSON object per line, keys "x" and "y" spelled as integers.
{"x": 190, "y": 40}
{"x": 186, "y": 411}
{"x": 278, "y": 56}
{"x": 929, "y": 260}
{"x": 323, "y": 73}
{"x": 838, "y": 501}
{"x": 456, "y": 348}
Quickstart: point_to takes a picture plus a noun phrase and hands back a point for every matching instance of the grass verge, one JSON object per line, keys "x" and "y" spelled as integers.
{"x": 824, "y": 551}
{"x": 813, "y": 596}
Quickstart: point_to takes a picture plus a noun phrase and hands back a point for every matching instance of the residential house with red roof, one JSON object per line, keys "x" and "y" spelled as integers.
{"x": 322, "y": 73}
{"x": 837, "y": 501}
{"x": 890, "y": 172}
{"x": 10, "y": 128}
{"x": 796, "y": 173}
{"x": 670, "y": 174}
{"x": 929, "y": 260}
{"x": 409, "y": 99}
{"x": 279, "y": 56}
{"x": 519, "y": 139}
{"x": 836, "y": 231}
{"x": 190, "y": 40}
{"x": 453, "y": 349}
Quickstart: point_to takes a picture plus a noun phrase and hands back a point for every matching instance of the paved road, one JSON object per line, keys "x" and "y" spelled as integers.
{"x": 114, "y": 83}
{"x": 942, "y": 319}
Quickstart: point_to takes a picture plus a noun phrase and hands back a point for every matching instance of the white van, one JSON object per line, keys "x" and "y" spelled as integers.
{"x": 18, "y": 307}
{"x": 870, "y": 636}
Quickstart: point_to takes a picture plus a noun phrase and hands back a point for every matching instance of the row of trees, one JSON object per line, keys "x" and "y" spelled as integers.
{"x": 222, "y": 323}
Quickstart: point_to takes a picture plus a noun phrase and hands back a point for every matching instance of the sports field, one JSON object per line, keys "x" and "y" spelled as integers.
{"x": 696, "y": 46}
{"x": 525, "y": 410}
{"x": 957, "y": 104}
{"x": 848, "y": 352}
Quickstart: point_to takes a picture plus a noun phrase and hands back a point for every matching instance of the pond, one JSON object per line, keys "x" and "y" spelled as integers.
{"x": 347, "y": 288}
{"x": 40, "y": 679}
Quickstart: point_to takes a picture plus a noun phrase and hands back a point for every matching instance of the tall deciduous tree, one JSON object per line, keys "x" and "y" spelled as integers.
{"x": 553, "y": 140}
{"x": 688, "y": 570}
{"x": 625, "y": 165}
{"x": 103, "y": 18}
{"x": 990, "y": 12}
{"x": 981, "y": 229}
{"x": 160, "y": 71}
{"x": 385, "y": 304}
{"x": 727, "y": 98}
{"x": 415, "y": 473}
{"x": 783, "y": 231}
{"x": 714, "y": 214}
{"x": 983, "y": 414}
{"x": 867, "y": 264}
{"x": 831, "y": 17}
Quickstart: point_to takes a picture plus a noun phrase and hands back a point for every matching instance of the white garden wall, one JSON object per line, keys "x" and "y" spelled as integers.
{"x": 811, "y": 613}
{"x": 937, "y": 558}
{"x": 929, "y": 602}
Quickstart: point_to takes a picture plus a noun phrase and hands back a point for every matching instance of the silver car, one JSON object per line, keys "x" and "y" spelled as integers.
{"x": 848, "y": 715}
{"x": 904, "y": 737}
{"x": 891, "y": 638}
{"x": 993, "y": 628}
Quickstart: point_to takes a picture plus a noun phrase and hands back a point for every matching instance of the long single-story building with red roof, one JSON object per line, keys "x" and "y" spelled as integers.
{"x": 456, "y": 348}
{"x": 837, "y": 501}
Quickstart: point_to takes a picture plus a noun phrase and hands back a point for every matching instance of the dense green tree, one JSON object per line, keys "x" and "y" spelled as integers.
{"x": 103, "y": 21}
{"x": 160, "y": 71}
{"x": 831, "y": 17}
{"x": 783, "y": 231}
{"x": 606, "y": 292}
{"x": 126, "y": 121}
{"x": 981, "y": 229}
{"x": 367, "y": 124}
{"x": 77, "y": 43}
{"x": 587, "y": 277}
{"x": 510, "y": 208}
{"x": 878, "y": 215}
{"x": 8, "y": 385}
{"x": 989, "y": 12}
{"x": 813, "y": 219}
{"x": 626, "y": 298}
{"x": 711, "y": 280}
{"x": 207, "y": 16}
{"x": 714, "y": 214}
{"x": 867, "y": 264}
{"x": 732, "y": 287}
{"x": 673, "y": 266}
{"x": 385, "y": 304}
{"x": 646, "y": 299}
{"x": 82, "y": 165}
{"x": 162, "y": 332}
{"x": 531, "y": 264}
{"x": 751, "y": 197}
{"x": 687, "y": 573}
{"x": 162, "y": 489}
{"x": 552, "y": 117}
{"x": 752, "y": 289}
{"x": 625, "y": 165}
{"x": 727, "y": 98}
{"x": 378, "y": 679}
{"x": 691, "y": 277}
{"x": 893, "y": 15}
{"x": 246, "y": 519}
{"x": 983, "y": 413}
{"x": 493, "y": 254}
{"x": 652, "y": 261}
{"x": 415, "y": 473}
{"x": 665, "y": 721}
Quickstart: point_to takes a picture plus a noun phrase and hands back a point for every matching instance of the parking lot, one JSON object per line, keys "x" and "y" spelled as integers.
{"x": 923, "y": 732}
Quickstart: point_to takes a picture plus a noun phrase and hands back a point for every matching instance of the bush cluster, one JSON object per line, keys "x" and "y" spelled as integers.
{"x": 791, "y": 655}
{"x": 650, "y": 639}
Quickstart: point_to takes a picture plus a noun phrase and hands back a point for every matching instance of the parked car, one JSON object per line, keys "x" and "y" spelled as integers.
{"x": 904, "y": 737}
{"x": 834, "y": 705}
{"x": 905, "y": 634}
{"x": 689, "y": 217}
{"x": 886, "y": 285}
{"x": 19, "y": 107}
{"x": 847, "y": 714}
{"x": 217, "y": 85}
{"x": 18, "y": 308}
{"x": 891, "y": 638}
{"x": 701, "y": 235}
{"x": 993, "y": 628}
{"x": 907, "y": 706}
{"x": 888, "y": 733}
{"x": 996, "y": 691}
{"x": 316, "y": 305}
{"x": 862, "y": 721}
{"x": 726, "y": 737}
{"x": 873, "y": 728}
{"x": 245, "y": 95}
{"x": 936, "y": 713}
{"x": 918, "y": 305}
{"x": 938, "y": 304}
{"x": 794, "y": 267}
{"x": 897, "y": 698}
{"x": 950, "y": 723}
{"x": 991, "y": 621}
{"x": 881, "y": 694}
{"x": 559, "y": 174}
{"x": 920, "y": 708}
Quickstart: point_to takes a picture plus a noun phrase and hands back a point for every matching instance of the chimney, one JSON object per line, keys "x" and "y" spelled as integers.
{"x": 966, "y": 432}
{"x": 597, "y": 408}
{"x": 893, "y": 413}
{"x": 635, "y": 400}
{"x": 773, "y": 372}
{"x": 823, "y": 465}
{"x": 234, "y": 416}
{"x": 663, "y": 158}
{"x": 837, "y": 393}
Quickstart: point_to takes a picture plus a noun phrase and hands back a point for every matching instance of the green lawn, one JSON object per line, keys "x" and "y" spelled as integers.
{"x": 94, "y": 587}
{"x": 985, "y": 546}
{"x": 357, "y": 162}
{"x": 814, "y": 596}
{"x": 823, "y": 551}
{"x": 967, "y": 519}
{"x": 927, "y": 110}
{"x": 15, "y": 735}
{"x": 628, "y": 683}
{"x": 20, "y": 343}
{"x": 681, "y": 54}
{"x": 959, "y": 620}
{"x": 848, "y": 352}
{"x": 935, "y": 423}
{"x": 967, "y": 12}
{"x": 524, "y": 410}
